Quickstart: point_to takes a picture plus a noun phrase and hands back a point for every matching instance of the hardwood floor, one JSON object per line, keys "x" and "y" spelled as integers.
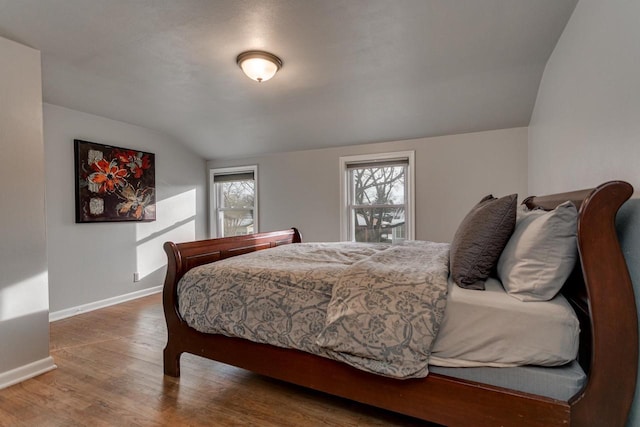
{"x": 110, "y": 374}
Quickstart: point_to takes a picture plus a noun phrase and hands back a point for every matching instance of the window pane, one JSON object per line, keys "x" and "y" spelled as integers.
{"x": 237, "y": 194}
{"x": 236, "y": 222}
{"x": 379, "y": 225}
{"x": 378, "y": 186}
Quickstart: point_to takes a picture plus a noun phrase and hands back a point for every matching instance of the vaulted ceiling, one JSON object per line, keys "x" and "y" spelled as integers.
{"x": 355, "y": 71}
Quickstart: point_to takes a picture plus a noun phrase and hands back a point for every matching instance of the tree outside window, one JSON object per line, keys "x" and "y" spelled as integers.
{"x": 235, "y": 203}
{"x": 378, "y": 197}
{"x": 235, "y": 214}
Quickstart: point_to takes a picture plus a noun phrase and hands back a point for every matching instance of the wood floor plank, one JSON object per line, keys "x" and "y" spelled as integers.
{"x": 110, "y": 374}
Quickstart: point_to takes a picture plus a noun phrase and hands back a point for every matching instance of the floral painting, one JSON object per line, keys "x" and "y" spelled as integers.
{"x": 113, "y": 183}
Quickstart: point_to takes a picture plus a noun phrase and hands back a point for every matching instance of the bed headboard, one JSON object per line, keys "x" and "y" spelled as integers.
{"x": 601, "y": 293}
{"x": 575, "y": 289}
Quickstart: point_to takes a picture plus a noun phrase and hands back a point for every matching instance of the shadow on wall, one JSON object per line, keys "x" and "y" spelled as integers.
{"x": 628, "y": 226}
{"x": 25, "y": 346}
{"x": 100, "y": 260}
{"x": 176, "y": 222}
{"x": 24, "y": 311}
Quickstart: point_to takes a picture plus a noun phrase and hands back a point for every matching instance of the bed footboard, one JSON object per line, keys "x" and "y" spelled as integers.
{"x": 184, "y": 256}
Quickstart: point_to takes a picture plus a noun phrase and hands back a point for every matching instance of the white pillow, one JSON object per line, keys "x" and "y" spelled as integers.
{"x": 540, "y": 254}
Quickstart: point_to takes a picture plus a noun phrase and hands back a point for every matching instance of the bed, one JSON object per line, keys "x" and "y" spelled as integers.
{"x": 599, "y": 290}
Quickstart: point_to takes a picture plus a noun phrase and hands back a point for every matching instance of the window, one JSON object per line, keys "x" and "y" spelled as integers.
{"x": 234, "y": 201}
{"x": 377, "y": 197}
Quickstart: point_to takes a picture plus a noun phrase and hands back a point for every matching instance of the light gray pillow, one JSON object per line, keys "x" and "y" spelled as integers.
{"x": 541, "y": 253}
{"x": 479, "y": 240}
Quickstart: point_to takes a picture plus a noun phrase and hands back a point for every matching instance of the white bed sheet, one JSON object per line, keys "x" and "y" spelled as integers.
{"x": 491, "y": 328}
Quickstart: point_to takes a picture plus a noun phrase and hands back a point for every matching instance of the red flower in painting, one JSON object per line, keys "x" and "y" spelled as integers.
{"x": 135, "y": 161}
{"x": 106, "y": 176}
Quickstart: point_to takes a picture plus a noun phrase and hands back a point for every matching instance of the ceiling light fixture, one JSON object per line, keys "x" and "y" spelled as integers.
{"x": 259, "y": 65}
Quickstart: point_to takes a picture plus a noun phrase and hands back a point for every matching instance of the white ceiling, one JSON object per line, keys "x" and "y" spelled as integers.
{"x": 355, "y": 71}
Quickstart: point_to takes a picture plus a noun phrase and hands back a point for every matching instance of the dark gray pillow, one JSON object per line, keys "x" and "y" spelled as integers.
{"x": 480, "y": 239}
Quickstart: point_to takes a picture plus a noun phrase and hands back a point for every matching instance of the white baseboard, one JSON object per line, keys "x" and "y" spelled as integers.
{"x": 84, "y": 308}
{"x": 25, "y": 372}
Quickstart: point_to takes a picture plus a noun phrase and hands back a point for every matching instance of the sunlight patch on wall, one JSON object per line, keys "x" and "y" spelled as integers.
{"x": 24, "y": 298}
{"x": 175, "y": 222}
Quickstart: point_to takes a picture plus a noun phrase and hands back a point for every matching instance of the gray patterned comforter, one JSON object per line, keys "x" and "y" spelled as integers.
{"x": 375, "y": 307}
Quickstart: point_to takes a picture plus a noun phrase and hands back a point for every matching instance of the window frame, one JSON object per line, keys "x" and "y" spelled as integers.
{"x": 347, "y": 234}
{"x": 213, "y": 197}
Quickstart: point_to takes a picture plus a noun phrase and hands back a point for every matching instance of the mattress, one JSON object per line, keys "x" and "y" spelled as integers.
{"x": 491, "y": 328}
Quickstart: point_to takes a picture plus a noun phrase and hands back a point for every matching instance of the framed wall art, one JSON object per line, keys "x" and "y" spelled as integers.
{"x": 113, "y": 183}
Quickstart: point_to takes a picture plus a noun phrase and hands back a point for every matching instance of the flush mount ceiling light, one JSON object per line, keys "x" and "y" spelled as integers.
{"x": 259, "y": 65}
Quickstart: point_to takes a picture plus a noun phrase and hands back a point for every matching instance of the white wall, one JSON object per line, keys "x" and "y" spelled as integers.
{"x": 453, "y": 173}
{"x": 24, "y": 305}
{"x": 585, "y": 127}
{"x": 586, "y": 122}
{"x": 96, "y": 261}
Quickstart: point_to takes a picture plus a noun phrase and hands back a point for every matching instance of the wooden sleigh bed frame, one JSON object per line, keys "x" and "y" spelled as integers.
{"x": 600, "y": 291}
